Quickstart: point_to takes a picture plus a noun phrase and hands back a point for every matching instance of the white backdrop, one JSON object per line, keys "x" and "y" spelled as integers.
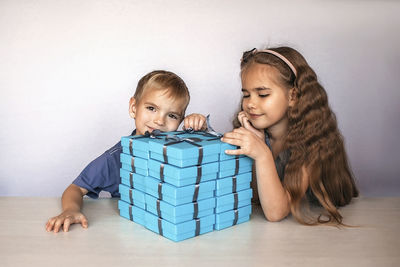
{"x": 68, "y": 69}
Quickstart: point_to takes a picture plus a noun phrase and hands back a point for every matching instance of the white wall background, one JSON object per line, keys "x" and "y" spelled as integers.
{"x": 68, "y": 68}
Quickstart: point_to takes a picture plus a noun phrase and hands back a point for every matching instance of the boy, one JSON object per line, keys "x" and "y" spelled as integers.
{"x": 159, "y": 102}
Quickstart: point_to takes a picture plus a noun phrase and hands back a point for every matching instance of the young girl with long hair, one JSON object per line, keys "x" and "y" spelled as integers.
{"x": 287, "y": 127}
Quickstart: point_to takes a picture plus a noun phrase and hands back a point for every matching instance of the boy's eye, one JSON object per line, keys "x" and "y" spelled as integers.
{"x": 265, "y": 95}
{"x": 173, "y": 116}
{"x": 150, "y": 108}
{"x": 245, "y": 96}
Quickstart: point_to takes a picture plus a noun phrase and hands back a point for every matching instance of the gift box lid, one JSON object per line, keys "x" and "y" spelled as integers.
{"x": 183, "y": 182}
{"x": 234, "y": 197}
{"x": 132, "y": 179}
{"x": 136, "y": 153}
{"x": 194, "y": 209}
{"x": 179, "y": 195}
{"x": 235, "y": 166}
{"x": 134, "y": 162}
{"x": 233, "y": 184}
{"x": 232, "y": 215}
{"x": 184, "y": 146}
{"x": 163, "y": 169}
{"x": 132, "y": 212}
{"x": 178, "y": 192}
{"x": 135, "y": 143}
{"x": 162, "y": 226}
{"x": 132, "y": 195}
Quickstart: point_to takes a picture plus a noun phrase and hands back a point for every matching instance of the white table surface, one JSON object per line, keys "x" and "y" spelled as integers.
{"x": 112, "y": 240}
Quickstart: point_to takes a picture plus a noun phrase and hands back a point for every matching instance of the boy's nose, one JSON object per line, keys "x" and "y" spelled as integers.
{"x": 159, "y": 120}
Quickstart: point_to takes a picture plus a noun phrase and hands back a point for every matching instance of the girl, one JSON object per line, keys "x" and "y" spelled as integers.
{"x": 289, "y": 130}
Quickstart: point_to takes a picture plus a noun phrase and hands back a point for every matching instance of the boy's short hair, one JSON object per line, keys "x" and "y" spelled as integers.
{"x": 161, "y": 79}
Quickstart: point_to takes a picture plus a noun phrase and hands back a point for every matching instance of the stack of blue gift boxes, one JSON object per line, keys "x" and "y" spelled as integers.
{"x": 181, "y": 184}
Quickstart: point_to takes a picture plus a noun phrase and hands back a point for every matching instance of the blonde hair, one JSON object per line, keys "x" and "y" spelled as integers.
{"x": 161, "y": 80}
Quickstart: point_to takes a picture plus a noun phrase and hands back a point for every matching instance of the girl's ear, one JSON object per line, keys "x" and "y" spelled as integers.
{"x": 132, "y": 107}
{"x": 293, "y": 93}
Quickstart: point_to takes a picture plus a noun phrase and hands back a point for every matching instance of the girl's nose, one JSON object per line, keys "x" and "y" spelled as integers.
{"x": 251, "y": 104}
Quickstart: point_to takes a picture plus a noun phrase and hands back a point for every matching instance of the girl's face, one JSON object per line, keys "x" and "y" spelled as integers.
{"x": 265, "y": 101}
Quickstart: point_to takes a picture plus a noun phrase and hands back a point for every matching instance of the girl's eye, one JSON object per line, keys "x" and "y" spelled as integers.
{"x": 150, "y": 108}
{"x": 263, "y": 95}
{"x": 172, "y": 116}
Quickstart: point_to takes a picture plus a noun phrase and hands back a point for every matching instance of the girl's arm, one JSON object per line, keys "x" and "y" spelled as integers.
{"x": 273, "y": 197}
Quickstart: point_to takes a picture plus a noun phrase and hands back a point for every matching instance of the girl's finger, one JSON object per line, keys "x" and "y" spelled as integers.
{"x": 232, "y": 141}
{"x": 234, "y": 151}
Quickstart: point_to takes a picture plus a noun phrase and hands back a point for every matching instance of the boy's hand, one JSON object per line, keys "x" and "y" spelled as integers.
{"x": 65, "y": 219}
{"x": 195, "y": 121}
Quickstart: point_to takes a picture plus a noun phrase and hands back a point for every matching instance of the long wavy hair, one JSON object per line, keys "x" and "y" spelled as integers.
{"x": 313, "y": 139}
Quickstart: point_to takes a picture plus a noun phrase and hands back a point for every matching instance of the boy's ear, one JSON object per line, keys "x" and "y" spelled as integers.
{"x": 293, "y": 96}
{"x": 132, "y": 107}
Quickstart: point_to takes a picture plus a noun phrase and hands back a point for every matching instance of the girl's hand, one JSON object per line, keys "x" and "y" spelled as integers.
{"x": 249, "y": 142}
{"x": 66, "y": 219}
{"x": 244, "y": 121}
{"x": 195, "y": 121}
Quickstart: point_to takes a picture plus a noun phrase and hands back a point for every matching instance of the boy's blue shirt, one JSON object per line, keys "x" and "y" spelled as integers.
{"x": 102, "y": 174}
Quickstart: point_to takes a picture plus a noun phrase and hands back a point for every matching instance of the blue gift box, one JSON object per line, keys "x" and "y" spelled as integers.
{"x": 179, "y": 195}
{"x": 133, "y": 180}
{"x": 232, "y": 217}
{"x": 234, "y": 200}
{"x": 183, "y": 176}
{"x": 235, "y": 166}
{"x": 134, "y": 164}
{"x": 233, "y": 184}
{"x": 185, "y": 149}
{"x": 181, "y": 213}
{"x": 136, "y": 145}
{"x": 180, "y": 231}
{"x": 132, "y": 212}
{"x": 132, "y": 196}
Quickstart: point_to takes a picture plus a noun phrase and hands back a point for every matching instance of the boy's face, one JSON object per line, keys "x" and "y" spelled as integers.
{"x": 157, "y": 110}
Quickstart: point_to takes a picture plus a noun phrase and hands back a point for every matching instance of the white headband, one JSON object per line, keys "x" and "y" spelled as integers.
{"x": 279, "y": 56}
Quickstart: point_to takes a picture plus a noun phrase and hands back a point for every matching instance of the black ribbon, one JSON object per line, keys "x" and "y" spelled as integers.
{"x": 196, "y": 192}
{"x": 234, "y": 184}
{"x": 236, "y": 217}
{"x": 133, "y": 164}
{"x": 160, "y": 226}
{"x": 131, "y": 180}
{"x": 160, "y": 191}
{"x": 130, "y": 196}
{"x": 199, "y": 173}
{"x": 196, "y": 209}
{"x": 158, "y": 208}
{"x": 162, "y": 172}
{"x": 235, "y": 203}
{"x": 130, "y": 213}
{"x": 197, "y": 232}
{"x": 236, "y": 166}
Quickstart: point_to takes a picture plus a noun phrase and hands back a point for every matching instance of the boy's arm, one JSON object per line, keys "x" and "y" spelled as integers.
{"x": 71, "y": 201}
